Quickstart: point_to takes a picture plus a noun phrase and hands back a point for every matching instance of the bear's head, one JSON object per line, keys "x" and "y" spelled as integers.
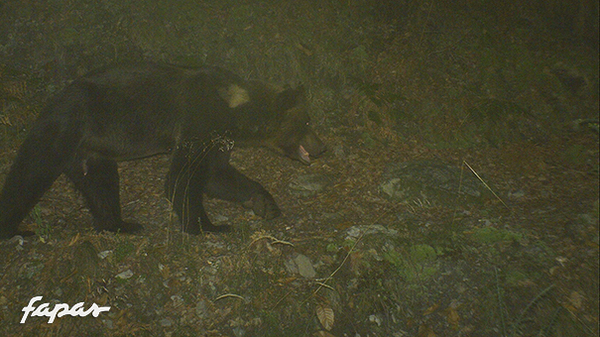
{"x": 275, "y": 118}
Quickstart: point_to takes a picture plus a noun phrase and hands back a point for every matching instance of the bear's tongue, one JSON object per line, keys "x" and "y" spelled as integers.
{"x": 303, "y": 154}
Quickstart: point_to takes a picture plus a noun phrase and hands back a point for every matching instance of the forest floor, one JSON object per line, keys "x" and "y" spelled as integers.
{"x": 493, "y": 96}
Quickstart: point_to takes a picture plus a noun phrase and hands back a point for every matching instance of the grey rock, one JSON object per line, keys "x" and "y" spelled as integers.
{"x": 301, "y": 264}
{"x": 355, "y": 232}
{"x": 165, "y": 322}
{"x": 125, "y": 275}
{"x": 308, "y": 184}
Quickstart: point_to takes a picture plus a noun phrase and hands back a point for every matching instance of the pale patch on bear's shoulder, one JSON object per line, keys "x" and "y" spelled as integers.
{"x": 234, "y": 95}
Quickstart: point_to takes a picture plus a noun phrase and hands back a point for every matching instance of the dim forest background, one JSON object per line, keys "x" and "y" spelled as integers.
{"x": 458, "y": 197}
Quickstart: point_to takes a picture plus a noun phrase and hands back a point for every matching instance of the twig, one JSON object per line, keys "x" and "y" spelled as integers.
{"x": 485, "y": 184}
{"x": 228, "y": 295}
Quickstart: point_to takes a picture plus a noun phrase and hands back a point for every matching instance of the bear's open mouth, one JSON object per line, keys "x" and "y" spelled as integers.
{"x": 303, "y": 154}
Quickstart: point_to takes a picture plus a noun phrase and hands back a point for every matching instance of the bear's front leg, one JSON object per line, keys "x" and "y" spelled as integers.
{"x": 263, "y": 205}
{"x": 185, "y": 185}
{"x": 226, "y": 183}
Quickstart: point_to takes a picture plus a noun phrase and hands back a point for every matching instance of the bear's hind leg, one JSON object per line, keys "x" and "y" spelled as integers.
{"x": 98, "y": 181}
{"x": 46, "y": 151}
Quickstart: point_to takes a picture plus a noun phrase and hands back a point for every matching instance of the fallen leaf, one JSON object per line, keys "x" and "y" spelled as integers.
{"x": 452, "y": 317}
{"x": 576, "y": 300}
{"x": 431, "y": 309}
{"x": 425, "y": 331}
{"x": 325, "y": 316}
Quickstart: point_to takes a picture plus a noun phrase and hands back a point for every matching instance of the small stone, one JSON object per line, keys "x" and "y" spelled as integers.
{"x": 301, "y": 264}
{"x": 125, "y": 275}
{"x": 308, "y": 184}
{"x": 201, "y": 309}
{"x": 165, "y": 322}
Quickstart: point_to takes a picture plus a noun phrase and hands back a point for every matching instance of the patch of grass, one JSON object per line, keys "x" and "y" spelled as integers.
{"x": 123, "y": 250}
{"x": 492, "y": 235}
{"x": 43, "y": 229}
{"x": 415, "y": 265}
{"x": 514, "y": 277}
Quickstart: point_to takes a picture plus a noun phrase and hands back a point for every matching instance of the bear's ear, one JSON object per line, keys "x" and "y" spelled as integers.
{"x": 234, "y": 95}
{"x": 290, "y": 98}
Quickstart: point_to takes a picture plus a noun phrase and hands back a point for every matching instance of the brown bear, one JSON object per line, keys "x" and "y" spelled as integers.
{"x": 133, "y": 111}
